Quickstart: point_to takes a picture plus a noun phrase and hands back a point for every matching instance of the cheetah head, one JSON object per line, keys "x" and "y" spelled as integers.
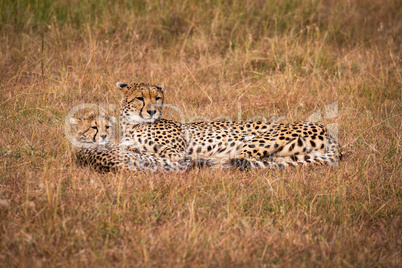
{"x": 142, "y": 103}
{"x": 91, "y": 127}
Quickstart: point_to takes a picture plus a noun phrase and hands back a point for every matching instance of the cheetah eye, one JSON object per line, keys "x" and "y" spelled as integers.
{"x": 140, "y": 98}
{"x": 107, "y": 127}
{"x": 94, "y": 127}
{"x": 158, "y": 98}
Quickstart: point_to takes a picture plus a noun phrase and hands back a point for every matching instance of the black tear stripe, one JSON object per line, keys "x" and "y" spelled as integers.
{"x": 94, "y": 138}
{"x": 143, "y": 105}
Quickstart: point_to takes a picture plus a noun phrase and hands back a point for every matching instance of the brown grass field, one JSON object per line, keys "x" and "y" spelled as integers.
{"x": 236, "y": 59}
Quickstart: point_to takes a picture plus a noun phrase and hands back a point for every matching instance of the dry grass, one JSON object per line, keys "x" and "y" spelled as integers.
{"x": 282, "y": 58}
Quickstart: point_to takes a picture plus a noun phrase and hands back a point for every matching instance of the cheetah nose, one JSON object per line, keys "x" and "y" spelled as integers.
{"x": 151, "y": 112}
{"x": 103, "y": 137}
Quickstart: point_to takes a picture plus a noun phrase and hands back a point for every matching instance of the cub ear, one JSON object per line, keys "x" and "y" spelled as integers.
{"x": 74, "y": 121}
{"x": 161, "y": 88}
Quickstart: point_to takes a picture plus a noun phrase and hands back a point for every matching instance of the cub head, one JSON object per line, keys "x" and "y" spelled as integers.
{"x": 142, "y": 103}
{"x": 90, "y": 126}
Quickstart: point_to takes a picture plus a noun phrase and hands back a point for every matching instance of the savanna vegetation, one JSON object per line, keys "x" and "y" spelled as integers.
{"x": 281, "y": 60}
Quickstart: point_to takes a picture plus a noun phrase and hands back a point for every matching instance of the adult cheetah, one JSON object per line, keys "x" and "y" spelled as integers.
{"x": 238, "y": 144}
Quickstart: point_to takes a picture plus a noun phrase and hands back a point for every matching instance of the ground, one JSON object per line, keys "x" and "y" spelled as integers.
{"x": 282, "y": 59}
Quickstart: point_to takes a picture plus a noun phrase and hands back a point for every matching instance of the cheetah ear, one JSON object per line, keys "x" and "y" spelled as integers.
{"x": 123, "y": 87}
{"x": 74, "y": 121}
{"x": 161, "y": 88}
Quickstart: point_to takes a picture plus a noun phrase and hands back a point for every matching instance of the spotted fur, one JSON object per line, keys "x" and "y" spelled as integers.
{"x": 92, "y": 132}
{"x": 238, "y": 144}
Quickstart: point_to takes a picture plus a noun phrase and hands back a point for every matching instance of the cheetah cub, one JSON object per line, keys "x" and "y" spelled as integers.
{"x": 92, "y": 133}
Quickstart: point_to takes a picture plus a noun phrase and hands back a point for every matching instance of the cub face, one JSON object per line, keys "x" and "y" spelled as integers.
{"x": 142, "y": 103}
{"x": 91, "y": 127}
